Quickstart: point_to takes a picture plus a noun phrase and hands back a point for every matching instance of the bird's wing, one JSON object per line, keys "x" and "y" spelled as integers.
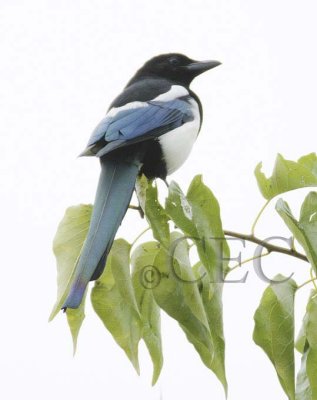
{"x": 138, "y": 121}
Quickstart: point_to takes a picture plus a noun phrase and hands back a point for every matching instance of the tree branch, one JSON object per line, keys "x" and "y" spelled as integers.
{"x": 271, "y": 248}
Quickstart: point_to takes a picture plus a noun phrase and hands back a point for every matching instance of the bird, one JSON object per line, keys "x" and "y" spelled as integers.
{"x": 149, "y": 129}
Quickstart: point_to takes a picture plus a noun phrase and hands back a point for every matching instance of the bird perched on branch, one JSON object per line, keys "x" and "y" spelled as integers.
{"x": 149, "y": 128}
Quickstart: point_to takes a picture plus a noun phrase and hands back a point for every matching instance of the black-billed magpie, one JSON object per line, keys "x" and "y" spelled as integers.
{"x": 149, "y": 128}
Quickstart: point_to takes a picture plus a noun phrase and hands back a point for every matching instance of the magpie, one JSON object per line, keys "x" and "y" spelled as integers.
{"x": 149, "y": 129}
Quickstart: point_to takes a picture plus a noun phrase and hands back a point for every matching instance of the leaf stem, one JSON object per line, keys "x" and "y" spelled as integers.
{"x": 307, "y": 282}
{"x": 293, "y": 244}
{"x": 258, "y": 216}
{"x": 247, "y": 260}
{"x": 271, "y": 248}
{"x": 140, "y": 235}
{"x": 313, "y": 278}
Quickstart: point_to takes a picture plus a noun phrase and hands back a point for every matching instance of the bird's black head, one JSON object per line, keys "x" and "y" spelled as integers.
{"x": 175, "y": 67}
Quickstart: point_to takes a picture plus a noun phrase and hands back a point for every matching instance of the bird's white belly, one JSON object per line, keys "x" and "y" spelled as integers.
{"x": 177, "y": 144}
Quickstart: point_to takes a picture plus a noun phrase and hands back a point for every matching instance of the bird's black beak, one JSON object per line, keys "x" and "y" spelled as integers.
{"x": 198, "y": 67}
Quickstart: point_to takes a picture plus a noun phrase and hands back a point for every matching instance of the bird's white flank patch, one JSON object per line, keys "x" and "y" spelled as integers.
{"x": 175, "y": 92}
{"x": 177, "y": 144}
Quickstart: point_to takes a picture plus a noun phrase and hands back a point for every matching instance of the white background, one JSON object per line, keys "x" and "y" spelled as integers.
{"x": 62, "y": 62}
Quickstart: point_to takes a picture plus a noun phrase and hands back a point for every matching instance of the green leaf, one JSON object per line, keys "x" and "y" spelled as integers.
{"x": 274, "y": 330}
{"x": 211, "y": 294}
{"x": 311, "y": 370}
{"x": 141, "y": 186}
{"x": 67, "y": 244}
{"x": 306, "y": 378}
{"x": 301, "y": 340}
{"x": 303, "y": 389}
{"x": 180, "y": 210}
{"x": 156, "y": 215}
{"x": 198, "y": 215}
{"x": 75, "y": 318}
{"x": 180, "y": 267}
{"x": 308, "y": 213}
{"x": 143, "y": 277}
{"x": 304, "y": 230}
{"x": 181, "y": 300}
{"x": 287, "y": 175}
{"x": 154, "y": 212}
{"x": 114, "y": 301}
{"x": 212, "y": 299}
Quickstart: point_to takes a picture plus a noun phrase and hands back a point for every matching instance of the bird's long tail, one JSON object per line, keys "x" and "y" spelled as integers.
{"x": 114, "y": 192}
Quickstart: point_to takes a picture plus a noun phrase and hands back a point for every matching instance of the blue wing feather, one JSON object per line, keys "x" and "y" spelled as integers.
{"x": 138, "y": 124}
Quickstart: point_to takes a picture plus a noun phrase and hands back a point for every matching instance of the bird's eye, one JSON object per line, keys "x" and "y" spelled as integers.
{"x": 174, "y": 61}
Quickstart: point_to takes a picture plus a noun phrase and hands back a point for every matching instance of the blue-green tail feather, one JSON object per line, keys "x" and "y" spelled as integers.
{"x": 114, "y": 192}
